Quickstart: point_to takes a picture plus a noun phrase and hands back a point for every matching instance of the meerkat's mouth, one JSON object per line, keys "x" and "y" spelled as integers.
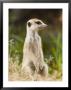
{"x": 43, "y": 27}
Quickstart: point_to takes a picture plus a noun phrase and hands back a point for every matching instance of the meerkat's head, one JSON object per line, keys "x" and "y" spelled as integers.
{"x": 36, "y": 25}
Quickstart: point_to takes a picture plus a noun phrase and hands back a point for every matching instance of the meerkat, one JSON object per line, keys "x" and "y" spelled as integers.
{"x": 33, "y": 59}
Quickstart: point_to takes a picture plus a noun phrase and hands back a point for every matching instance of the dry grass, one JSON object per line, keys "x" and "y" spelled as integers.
{"x": 16, "y": 74}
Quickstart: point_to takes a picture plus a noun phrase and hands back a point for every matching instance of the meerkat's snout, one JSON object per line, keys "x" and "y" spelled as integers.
{"x": 36, "y": 24}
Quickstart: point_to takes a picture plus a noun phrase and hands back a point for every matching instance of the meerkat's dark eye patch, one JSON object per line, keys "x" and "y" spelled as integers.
{"x": 29, "y": 24}
{"x": 38, "y": 22}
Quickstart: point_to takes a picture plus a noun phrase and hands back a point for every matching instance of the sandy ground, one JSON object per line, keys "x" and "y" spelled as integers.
{"x": 25, "y": 77}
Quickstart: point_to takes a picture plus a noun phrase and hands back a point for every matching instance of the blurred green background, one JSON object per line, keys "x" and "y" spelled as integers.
{"x": 51, "y": 38}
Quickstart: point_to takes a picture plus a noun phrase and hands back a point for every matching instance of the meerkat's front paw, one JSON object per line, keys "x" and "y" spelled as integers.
{"x": 43, "y": 70}
{"x": 41, "y": 66}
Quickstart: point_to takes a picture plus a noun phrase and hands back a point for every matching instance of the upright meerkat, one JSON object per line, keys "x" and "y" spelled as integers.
{"x": 33, "y": 59}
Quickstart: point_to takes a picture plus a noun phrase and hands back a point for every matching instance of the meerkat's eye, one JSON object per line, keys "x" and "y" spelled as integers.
{"x": 29, "y": 24}
{"x": 38, "y": 22}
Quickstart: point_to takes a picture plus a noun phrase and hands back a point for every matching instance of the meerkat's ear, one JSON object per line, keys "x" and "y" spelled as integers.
{"x": 29, "y": 24}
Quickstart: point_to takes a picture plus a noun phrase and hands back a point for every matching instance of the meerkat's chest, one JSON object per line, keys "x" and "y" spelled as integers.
{"x": 35, "y": 44}
{"x": 32, "y": 47}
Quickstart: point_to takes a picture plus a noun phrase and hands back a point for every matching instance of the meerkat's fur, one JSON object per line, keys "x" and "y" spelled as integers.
{"x": 33, "y": 59}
